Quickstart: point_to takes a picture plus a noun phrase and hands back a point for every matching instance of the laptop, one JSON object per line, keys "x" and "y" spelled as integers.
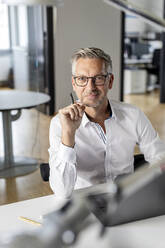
{"x": 139, "y": 196}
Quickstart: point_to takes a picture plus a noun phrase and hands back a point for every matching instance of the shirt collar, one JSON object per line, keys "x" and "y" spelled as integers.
{"x": 113, "y": 112}
{"x": 85, "y": 120}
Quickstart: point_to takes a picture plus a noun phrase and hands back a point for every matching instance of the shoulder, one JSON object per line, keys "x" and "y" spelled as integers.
{"x": 122, "y": 106}
{"x": 55, "y": 118}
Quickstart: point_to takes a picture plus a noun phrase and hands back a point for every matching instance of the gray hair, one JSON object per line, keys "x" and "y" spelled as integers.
{"x": 92, "y": 52}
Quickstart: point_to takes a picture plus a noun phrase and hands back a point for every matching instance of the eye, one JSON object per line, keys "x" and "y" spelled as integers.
{"x": 82, "y": 79}
{"x": 100, "y": 77}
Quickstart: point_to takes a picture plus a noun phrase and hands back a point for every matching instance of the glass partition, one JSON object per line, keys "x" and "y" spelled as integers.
{"x": 26, "y": 35}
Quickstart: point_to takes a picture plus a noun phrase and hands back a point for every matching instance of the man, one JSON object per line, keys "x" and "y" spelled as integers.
{"x": 92, "y": 141}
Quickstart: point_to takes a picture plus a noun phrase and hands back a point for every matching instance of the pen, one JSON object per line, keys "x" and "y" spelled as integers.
{"x": 30, "y": 221}
{"x": 72, "y": 99}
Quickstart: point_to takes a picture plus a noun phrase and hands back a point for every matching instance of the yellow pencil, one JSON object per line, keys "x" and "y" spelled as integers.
{"x": 30, "y": 221}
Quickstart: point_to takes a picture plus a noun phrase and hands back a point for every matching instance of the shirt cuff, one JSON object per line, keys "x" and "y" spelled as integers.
{"x": 67, "y": 154}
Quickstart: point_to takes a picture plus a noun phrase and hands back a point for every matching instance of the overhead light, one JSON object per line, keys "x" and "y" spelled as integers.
{"x": 33, "y": 2}
{"x": 137, "y": 11}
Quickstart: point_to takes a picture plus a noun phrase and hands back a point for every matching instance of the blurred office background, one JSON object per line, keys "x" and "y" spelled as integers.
{"x": 25, "y": 58}
{"x": 143, "y": 77}
{"x": 142, "y": 51}
{"x": 35, "y": 49}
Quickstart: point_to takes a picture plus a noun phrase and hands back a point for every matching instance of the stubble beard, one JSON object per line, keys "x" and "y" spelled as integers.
{"x": 93, "y": 105}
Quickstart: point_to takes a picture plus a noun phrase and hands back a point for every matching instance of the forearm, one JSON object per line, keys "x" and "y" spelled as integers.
{"x": 68, "y": 138}
{"x": 154, "y": 150}
{"x": 62, "y": 184}
{"x": 62, "y": 158}
{"x": 62, "y": 171}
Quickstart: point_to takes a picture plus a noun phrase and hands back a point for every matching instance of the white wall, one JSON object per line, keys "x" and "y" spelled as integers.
{"x": 22, "y": 26}
{"x": 154, "y": 7}
{"x": 5, "y": 65}
{"x": 83, "y": 23}
{"x": 134, "y": 24}
{"x": 21, "y": 68}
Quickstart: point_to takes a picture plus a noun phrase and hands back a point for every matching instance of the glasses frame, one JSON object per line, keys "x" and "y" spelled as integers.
{"x": 93, "y": 79}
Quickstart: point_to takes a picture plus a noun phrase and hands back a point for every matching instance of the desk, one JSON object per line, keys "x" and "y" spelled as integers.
{"x": 143, "y": 61}
{"x": 146, "y": 233}
{"x": 11, "y": 166}
{"x": 33, "y": 209}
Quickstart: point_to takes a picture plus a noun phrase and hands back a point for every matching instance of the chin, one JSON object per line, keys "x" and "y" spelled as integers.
{"x": 91, "y": 105}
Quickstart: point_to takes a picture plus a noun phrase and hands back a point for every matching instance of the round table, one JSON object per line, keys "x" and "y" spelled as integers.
{"x": 10, "y": 165}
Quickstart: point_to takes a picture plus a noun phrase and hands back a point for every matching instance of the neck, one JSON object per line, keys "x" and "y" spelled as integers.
{"x": 100, "y": 113}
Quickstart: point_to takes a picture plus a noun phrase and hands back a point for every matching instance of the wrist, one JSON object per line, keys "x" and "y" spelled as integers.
{"x": 68, "y": 138}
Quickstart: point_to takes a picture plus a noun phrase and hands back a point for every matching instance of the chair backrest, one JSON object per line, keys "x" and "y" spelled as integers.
{"x": 156, "y": 58}
{"x": 139, "y": 161}
{"x": 45, "y": 170}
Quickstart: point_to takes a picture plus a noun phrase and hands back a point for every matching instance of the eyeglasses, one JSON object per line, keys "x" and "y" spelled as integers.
{"x": 98, "y": 80}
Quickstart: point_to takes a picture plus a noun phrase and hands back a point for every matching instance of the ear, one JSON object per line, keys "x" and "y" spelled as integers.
{"x": 111, "y": 79}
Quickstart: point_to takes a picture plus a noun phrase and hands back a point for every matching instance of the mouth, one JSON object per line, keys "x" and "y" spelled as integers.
{"x": 92, "y": 94}
{"x": 90, "y": 98}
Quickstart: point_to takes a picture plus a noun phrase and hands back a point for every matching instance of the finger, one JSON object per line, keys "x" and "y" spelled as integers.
{"x": 76, "y": 110}
{"x": 64, "y": 111}
{"x": 72, "y": 114}
{"x": 82, "y": 106}
{"x": 81, "y": 109}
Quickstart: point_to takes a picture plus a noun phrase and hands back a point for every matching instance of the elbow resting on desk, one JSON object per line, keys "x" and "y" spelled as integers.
{"x": 61, "y": 183}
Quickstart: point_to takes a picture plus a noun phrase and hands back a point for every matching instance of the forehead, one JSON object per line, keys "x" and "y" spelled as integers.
{"x": 90, "y": 65}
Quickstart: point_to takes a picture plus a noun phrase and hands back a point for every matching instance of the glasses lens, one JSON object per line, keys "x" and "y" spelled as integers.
{"x": 100, "y": 79}
{"x": 81, "y": 80}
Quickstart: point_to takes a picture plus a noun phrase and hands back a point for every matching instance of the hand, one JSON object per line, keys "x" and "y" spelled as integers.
{"x": 70, "y": 118}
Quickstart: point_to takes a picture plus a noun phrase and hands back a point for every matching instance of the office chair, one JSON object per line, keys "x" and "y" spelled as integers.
{"x": 155, "y": 66}
{"x": 44, "y": 170}
{"x": 44, "y": 167}
{"x": 127, "y": 50}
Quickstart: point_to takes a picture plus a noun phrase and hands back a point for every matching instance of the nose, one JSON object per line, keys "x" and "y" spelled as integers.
{"x": 91, "y": 84}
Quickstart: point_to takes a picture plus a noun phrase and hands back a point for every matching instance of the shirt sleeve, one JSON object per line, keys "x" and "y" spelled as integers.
{"x": 62, "y": 162}
{"x": 150, "y": 144}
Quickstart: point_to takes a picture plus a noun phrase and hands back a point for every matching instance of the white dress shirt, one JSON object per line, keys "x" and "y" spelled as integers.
{"x": 98, "y": 157}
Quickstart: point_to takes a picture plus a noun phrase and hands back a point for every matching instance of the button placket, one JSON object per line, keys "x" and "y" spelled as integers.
{"x": 107, "y": 163}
